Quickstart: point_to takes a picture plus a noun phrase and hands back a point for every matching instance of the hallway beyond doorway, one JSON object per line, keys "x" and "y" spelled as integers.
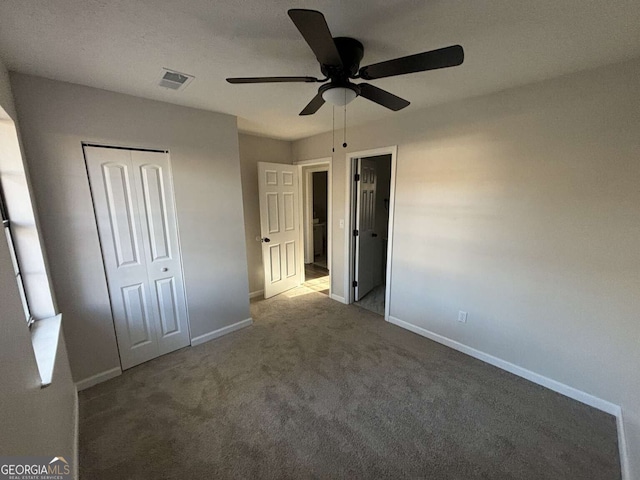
{"x": 374, "y": 300}
{"x": 316, "y": 278}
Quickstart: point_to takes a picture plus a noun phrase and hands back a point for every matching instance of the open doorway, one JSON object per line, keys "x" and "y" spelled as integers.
{"x": 316, "y": 195}
{"x": 369, "y": 235}
{"x": 318, "y": 242}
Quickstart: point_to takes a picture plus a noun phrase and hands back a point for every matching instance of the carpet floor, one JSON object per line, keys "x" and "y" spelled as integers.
{"x": 317, "y": 389}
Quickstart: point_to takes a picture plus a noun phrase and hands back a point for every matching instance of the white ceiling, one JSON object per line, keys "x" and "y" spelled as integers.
{"x": 121, "y": 45}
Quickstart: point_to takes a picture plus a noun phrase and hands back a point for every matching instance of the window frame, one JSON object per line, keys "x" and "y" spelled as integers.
{"x": 7, "y": 227}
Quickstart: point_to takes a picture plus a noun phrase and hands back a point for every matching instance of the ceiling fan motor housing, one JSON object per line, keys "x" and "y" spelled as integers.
{"x": 351, "y": 52}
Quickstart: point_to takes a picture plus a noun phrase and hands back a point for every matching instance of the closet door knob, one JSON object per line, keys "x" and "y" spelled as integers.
{"x": 165, "y": 269}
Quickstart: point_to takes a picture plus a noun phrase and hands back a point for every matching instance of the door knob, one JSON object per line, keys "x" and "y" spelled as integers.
{"x": 165, "y": 269}
{"x": 374, "y": 235}
{"x": 266, "y": 240}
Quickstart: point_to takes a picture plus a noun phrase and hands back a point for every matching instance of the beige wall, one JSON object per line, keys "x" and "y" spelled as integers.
{"x": 522, "y": 208}
{"x": 55, "y": 118}
{"x": 255, "y": 149}
{"x": 34, "y": 421}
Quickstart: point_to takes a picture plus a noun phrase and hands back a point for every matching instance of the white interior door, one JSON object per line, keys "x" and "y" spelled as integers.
{"x": 279, "y": 226}
{"x": 365, "y": 268}
{"x": 133, "y": 200}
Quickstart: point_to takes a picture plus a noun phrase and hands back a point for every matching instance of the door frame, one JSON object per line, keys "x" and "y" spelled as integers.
{"x": 326, "y": 165}
{"x": 349, "y": 215}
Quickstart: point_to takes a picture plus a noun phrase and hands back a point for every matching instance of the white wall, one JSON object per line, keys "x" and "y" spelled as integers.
{"x": 55, "y": 118}
{"x": 34, "y": 421}
{"x": 522, "y": 208}
{"x": 255, "y": 149}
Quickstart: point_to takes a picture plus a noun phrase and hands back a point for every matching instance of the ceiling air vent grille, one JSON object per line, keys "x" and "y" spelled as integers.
{"x": 174, "y": 80}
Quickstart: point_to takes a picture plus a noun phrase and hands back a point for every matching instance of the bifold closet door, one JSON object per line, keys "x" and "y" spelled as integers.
{"x": 133, "y": 201}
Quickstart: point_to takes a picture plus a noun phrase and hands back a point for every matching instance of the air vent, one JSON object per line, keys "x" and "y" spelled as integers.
{"x": 174, "y": 80}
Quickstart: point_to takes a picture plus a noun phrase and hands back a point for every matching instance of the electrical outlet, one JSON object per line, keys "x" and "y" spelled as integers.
{"x": 462, "y": 316}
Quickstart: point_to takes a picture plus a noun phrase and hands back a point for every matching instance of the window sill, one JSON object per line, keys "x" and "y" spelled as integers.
{"x": 44, "y": 337}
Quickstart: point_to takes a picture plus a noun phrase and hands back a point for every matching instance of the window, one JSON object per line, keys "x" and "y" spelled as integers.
{"x": 6, "y": 223}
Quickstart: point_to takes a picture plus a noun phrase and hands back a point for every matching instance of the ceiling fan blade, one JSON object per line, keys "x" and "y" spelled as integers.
{"x": 272, "y": 79}
{"x": 314, "y": 105}
{"x": 382, "y": 97}
{"x": 315, "y": 31}
{"x": 441, "y": 58}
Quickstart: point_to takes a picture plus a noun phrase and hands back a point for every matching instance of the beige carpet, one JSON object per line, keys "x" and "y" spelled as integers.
{"x": 316, "y": 389}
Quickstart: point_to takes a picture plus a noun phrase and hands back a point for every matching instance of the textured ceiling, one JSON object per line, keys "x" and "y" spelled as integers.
{"x": 121, "y": 45}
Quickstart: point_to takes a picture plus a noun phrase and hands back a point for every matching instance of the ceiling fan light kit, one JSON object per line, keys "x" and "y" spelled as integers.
{"x": 339, "y": 96}
{"x": 339, "y": 60}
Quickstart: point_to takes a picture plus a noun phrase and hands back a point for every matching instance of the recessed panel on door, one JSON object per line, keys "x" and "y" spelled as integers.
{"x": 289, "y": 211}
{"x": 290, "y": 264}
{"x": 274, "y": 256}
{"x": 273, "y": 215}
{"x": 137, "y": 315}
{"x": 287, "y": 179}
{"x": 271, "y": 177}
{"x": 167, "y": 302}
{"x": 121, "y": 216}
{"x": 154, "y": 201}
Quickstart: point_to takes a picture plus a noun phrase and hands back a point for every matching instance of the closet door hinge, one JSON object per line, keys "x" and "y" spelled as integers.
{"x": 355, "y": 233}
{"x": 354, "y": 284}
{"x": 356, "y": 177}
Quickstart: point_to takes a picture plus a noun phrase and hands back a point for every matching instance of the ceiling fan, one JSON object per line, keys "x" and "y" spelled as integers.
{"x": 340, "y": 58}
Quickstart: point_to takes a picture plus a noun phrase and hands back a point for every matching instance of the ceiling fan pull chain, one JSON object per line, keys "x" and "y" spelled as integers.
{"x": 344, "y": 134}
{"x": 333, "y": 130}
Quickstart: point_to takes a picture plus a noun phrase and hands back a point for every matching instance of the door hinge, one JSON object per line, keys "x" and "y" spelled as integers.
{"x": 355, "y": 233}
{"x": 356, "y": 177}
{"x": 354, "y": 284}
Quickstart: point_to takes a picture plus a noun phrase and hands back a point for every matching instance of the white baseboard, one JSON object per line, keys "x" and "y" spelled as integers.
{"x": 99, "y": 378}
{"x": 256, "y": 294}
{"x": 220, "y": 332}
{"x": 566, "y": 390}
{"x": 338, "y": 298}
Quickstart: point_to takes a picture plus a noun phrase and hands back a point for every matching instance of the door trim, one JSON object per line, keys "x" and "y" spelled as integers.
{"x": 119, "y": 147}
{"x": 320, "y": 162}
{"x": 349, "y": 244}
